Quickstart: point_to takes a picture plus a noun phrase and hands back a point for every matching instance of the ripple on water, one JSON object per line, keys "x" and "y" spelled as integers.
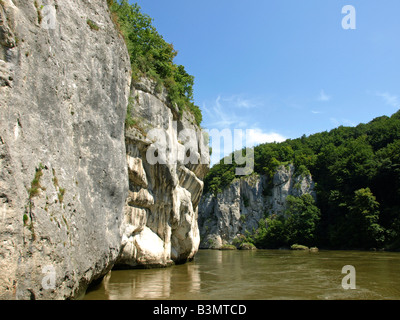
{"x": 260, "y": 274}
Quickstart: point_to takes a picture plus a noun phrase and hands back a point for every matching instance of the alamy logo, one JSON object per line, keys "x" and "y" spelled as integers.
{"x": 193, "y": 147}
{"x": 349, "y": 281}
{"x": 49, "y": 17}
{"x": 349, "y": 20}
{"x": 49, "y": 280}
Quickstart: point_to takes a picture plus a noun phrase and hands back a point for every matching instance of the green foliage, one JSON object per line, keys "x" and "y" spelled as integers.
{"x": 247, "y": 246}
{"x": 302, "y": 221}
{"x": 298, "y": 247}
{"x": 228, "y": 247}
{"x": 298, "y": 225}
{"x": 271, "y": 233}
{"x": 152, "y": 56}
{"x": 220, "y": 176}
{"x": 350, "y": 165}
{"x": 129, "y": 121}
{"x": 92, "y": 25}
{"x": 35, "y": 184}
{"x": 363, "y": 228}
{"x": 39, "y": 11}
{"x": 302, "y": 171}
{"x": 61, "y": 193}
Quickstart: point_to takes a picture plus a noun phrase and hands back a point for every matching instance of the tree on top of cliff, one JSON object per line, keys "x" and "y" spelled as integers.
{"x": 151, "y": 56}
{"x": 349, "y": 165}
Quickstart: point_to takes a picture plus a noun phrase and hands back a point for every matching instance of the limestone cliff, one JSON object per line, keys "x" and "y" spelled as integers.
{"x": 160, "y": 225}
{"x": 64, "y": 86}
{"x": 245, "y": 202}
{"x": 78, "y": 194}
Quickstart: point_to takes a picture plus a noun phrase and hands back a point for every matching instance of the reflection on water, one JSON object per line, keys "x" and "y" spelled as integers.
{"x": 260, "y": 274}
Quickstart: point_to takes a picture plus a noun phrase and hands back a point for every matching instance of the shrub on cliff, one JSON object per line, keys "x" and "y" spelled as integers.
{"x": 152, "y": 56}
{"x": 342, "y": 161}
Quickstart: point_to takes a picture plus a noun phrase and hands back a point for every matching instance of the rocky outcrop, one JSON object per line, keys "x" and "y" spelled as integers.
{"x": 241, "y": 205}
{"x": 78, "y": 193}
{"x": 63, "y": 181}
{"x": 167, "y": 160}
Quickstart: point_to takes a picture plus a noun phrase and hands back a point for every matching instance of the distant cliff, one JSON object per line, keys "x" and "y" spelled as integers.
{"x": 242, "y": 204}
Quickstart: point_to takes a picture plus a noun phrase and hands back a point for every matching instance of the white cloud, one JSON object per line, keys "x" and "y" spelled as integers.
{"x": 316, "y": 112}
{"x": 323, "y": 96}
{"x": 237, "y": 140}
{"x": 258, "y": 136}
{"x": 390, "y": 99}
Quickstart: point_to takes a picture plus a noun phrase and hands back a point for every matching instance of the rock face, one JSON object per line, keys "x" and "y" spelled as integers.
{"x": 63, "y": 181}
{"x": 245, "y": 202}
{"x": 165, "y": 182}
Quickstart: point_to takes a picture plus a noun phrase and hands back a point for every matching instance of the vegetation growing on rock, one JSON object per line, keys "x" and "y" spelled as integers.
{"x": 357, "y": 176}
{"x": 152, "y": 57}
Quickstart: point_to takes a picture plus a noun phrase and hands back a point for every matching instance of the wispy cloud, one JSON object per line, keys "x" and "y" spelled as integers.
{"x": 390, "y": 99}
{"x": 323, "y": 96}
{"x": 220, "y": 118}
{"x": 342, "y": 122}
{"x": 316, "y": 112}
{"x": 237, "y": 101}
{"x": 225, "y": 112}
{"x": 230, "y": 113}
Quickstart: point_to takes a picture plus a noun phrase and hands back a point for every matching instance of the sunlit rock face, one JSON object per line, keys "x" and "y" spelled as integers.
{"x": 165, "y": 185}
{"x": 78, "y": 193}
{"x": 241, "y": 206}
{"x": 64, "y": 89}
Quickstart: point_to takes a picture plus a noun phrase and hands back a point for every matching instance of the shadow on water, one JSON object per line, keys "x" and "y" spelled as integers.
{"x": 259, "y": 274}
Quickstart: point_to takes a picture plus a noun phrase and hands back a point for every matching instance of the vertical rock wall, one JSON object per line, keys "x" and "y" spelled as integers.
{"x": 245, "y": 202}
{"x": 78, "y": 195}
{"x": 64, "y": 84}
{"x": 160, "y": 226}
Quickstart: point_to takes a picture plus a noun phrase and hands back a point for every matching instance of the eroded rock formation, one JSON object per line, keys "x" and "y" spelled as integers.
{"x": 160, "y": 225}
{"x": 63, "y": 178}
{"x": 77, "y": 192}
{"x": 245, "y": 202}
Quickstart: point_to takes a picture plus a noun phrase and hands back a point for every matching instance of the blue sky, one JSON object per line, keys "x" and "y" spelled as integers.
{"x": 285, "y": 68}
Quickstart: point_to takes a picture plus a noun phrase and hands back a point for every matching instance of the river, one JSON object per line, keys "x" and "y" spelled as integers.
{"x": 259, "y": 274}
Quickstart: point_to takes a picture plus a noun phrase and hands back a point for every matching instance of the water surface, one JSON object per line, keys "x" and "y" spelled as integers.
{"x": 259, "y": 274}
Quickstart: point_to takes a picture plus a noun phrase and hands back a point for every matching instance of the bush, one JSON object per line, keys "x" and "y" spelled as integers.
{"x": 152, "y": 56}
{"x": 271, "y": 233}
{"x": 303, "y": 218}
{"x": 228, "y": 247}
{"x": 247, "y": 246}
{"x": 298, "y": 247}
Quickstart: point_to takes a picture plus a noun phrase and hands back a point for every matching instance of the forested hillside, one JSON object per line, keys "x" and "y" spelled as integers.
{"x": 357, "y": 175}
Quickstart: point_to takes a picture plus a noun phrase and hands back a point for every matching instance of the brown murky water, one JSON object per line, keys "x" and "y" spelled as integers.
{"x": 260, "y": 274}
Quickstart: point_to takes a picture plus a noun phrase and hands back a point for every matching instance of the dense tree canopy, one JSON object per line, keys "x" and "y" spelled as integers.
{"x": 357, "y": 175}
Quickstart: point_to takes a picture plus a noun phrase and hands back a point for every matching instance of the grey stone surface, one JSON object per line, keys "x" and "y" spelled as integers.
{"x": 160, "y": 226}
{"x": 63, "y": 98}
{"x": 241, "y": 205}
